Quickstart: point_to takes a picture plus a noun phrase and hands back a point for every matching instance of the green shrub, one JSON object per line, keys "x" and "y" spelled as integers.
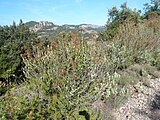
{"x": 61, "y": 82}
{"x": 67, "y": 76}
{"x": 13, "y": 41}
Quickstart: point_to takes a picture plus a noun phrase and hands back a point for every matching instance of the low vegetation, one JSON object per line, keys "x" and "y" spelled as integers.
{"x": 67, "y": 78}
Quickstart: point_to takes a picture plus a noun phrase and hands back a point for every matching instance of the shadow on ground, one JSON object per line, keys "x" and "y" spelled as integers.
{"x": 155, "y": 108}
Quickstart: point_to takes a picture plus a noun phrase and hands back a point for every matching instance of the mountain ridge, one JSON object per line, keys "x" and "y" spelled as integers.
{"x": 49, "y": 29}
{"x": 33, "y": 23}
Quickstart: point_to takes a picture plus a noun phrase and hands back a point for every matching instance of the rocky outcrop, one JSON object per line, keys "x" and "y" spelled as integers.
{"x": 45, "y": 25}
{"x": 91, "y": 26}
{"x": 42, "y": 25}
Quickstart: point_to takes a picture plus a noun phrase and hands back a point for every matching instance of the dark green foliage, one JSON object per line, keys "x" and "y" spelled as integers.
{"x": 152, "y": 10}
{"x": 13, "y": 40}
{"x": 116, "y": 18}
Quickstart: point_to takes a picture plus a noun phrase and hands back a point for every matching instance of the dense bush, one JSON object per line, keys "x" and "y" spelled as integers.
{"x": 65, "y": 79}
{"x": 12, "y": 39}
{"x": 133, "y": 44}
{"x": 117, "y": 17}
{"x": 152, "y": 10}
{"x": 69, "y": 79}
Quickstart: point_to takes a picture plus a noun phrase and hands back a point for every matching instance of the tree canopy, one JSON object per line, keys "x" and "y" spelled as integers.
{"x": 152, "y": 9}
{"x": 12, "y": 39}
{"x": 117, "y": 17}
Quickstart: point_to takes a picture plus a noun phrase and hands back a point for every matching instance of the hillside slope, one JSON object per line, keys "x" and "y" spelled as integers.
{"x": 49, "y": 29}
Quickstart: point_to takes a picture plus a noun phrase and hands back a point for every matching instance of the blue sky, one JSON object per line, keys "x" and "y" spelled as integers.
{"x": 61, "y": 11}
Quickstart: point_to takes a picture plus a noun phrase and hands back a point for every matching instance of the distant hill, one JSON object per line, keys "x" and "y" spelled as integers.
{"x": 49, "y": 29}
{"x": 31, "y": 23}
